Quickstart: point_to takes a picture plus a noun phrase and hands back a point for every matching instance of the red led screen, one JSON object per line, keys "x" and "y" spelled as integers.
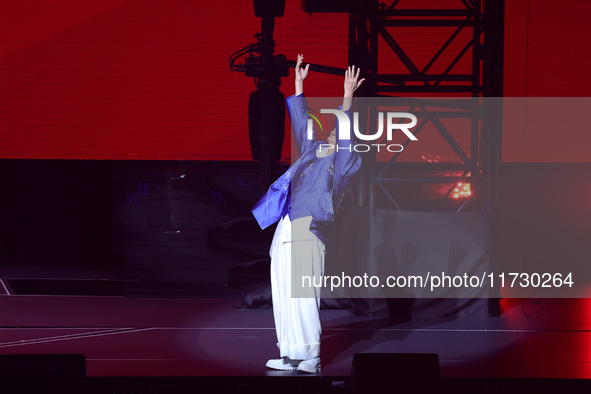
{"x": 149, "y": 79}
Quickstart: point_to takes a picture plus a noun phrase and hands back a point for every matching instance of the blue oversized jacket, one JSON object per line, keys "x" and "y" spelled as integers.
{"x": 329, "y": 177}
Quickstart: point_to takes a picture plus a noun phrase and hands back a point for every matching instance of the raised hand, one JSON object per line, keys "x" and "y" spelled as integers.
{"x": 300, "y": 75}
{"x": 352, "y": 81}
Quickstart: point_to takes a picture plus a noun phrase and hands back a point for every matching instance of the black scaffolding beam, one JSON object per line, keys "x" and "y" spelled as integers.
{"x": 475, "y": 37}
{"x": 374, "y": 26}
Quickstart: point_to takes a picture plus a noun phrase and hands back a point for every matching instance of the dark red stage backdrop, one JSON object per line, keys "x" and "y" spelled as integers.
{"x": 149, "y": 79}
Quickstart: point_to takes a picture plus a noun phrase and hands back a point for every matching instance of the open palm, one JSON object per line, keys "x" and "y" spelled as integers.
{"x": 301, "y": 73}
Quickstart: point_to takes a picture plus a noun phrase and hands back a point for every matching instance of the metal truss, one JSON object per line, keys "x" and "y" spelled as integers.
{"x": 476, "y": 38}
{"x": 469, "y": 63}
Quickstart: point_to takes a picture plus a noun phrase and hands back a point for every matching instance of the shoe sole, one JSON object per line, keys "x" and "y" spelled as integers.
{"x": 286, "y": 368}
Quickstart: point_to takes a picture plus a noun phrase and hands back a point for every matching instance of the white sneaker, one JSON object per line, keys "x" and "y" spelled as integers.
{"x": 311, "y": 366}
{"x": 280, "y": 365}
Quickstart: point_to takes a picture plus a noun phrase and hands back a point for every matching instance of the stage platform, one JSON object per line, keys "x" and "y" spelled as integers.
{"x": 123, "y": 336}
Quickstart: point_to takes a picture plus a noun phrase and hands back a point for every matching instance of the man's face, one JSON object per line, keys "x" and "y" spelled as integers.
{"x": 332, "y": 138}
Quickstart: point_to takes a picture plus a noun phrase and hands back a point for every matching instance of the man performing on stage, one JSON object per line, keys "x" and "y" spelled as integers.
{"x": 304, "y": 199}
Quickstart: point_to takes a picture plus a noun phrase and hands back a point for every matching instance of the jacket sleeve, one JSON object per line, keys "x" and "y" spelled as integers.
{"x": 298, "y": 115}
{"x": 347, "y": 163}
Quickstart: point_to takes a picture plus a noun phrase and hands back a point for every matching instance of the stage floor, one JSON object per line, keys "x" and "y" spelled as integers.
{"x": 123, "y": 336}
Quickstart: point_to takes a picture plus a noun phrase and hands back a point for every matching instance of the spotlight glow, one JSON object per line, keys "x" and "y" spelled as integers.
{"x": 462, "y": 190}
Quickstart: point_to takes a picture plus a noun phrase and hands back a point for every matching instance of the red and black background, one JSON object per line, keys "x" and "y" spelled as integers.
{"x": 125, "y": 153}
{"x": 136, "y": 79}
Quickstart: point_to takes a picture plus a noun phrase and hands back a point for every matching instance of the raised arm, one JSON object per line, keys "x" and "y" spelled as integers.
{"x": 347, "y": 160}
{"x": 296, "y": 105}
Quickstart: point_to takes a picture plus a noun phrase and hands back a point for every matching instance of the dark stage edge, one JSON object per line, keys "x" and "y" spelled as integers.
{"x": 296, "y": 384}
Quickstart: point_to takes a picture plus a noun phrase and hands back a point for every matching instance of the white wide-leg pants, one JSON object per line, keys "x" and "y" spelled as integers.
{"x": 297, "y": 319}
